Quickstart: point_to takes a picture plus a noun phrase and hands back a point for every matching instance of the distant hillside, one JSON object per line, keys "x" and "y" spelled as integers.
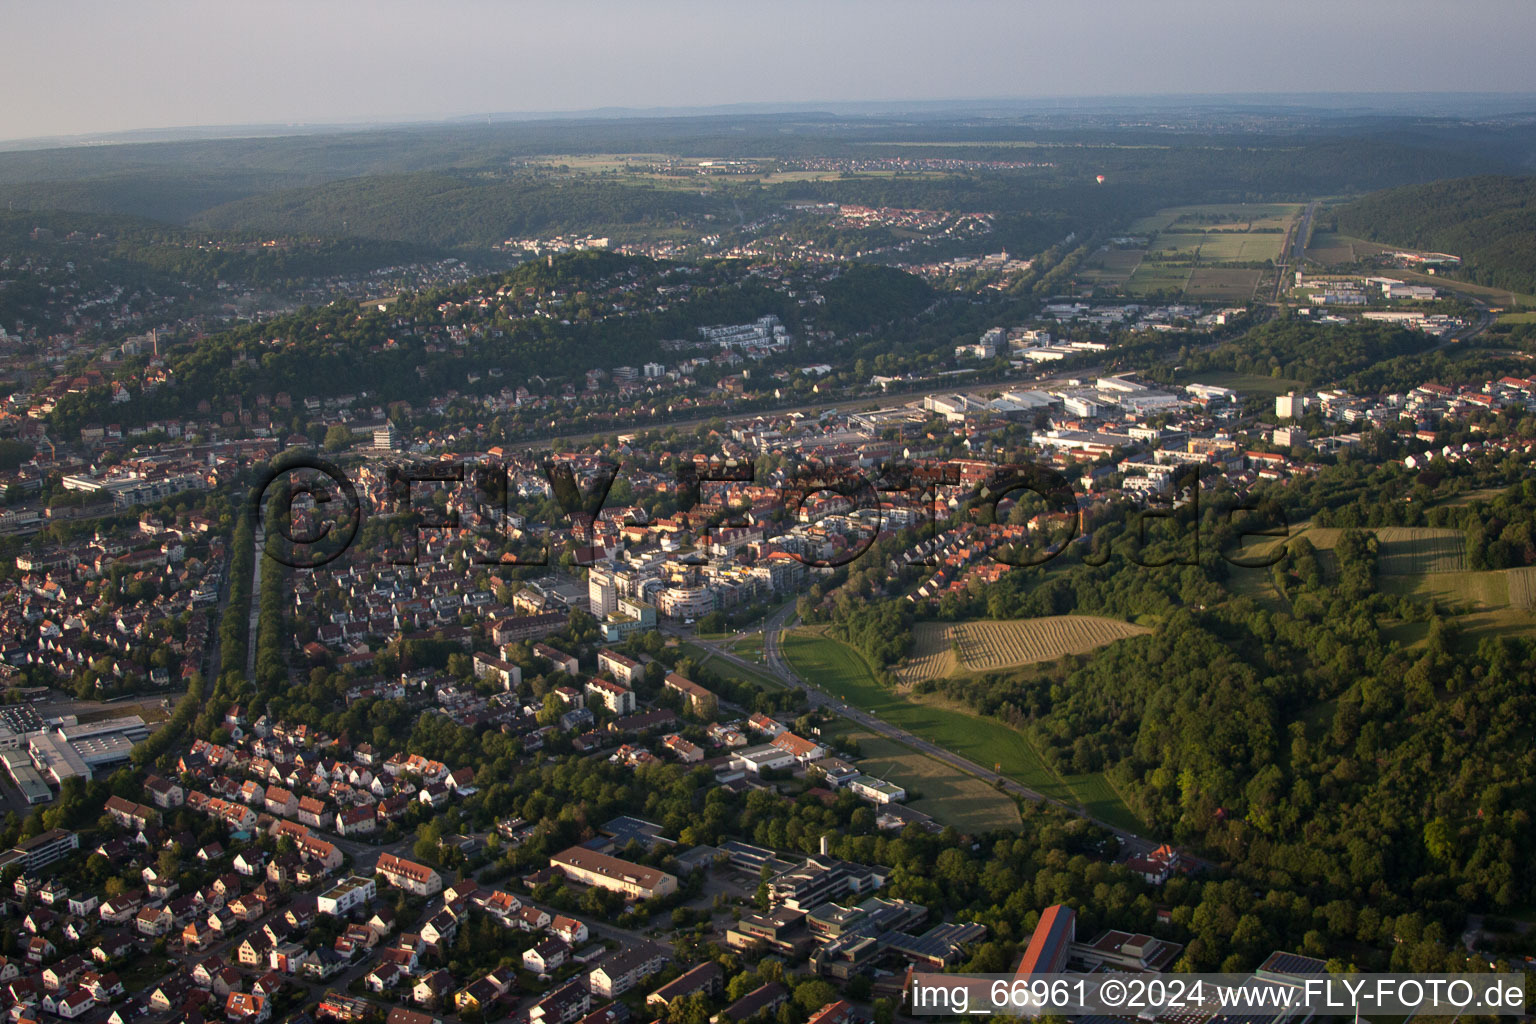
{"x": 451, "y": 210}
{"x": 1490, "y": 222}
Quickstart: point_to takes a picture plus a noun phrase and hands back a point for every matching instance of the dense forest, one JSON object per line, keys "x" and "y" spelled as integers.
{"x": 443, "y": 209}
{"x": 1314, "y": 354}
{"x": 1290, "y": 737}
{"x": 85, "y": 250}
{"x": 1490, "y": 222}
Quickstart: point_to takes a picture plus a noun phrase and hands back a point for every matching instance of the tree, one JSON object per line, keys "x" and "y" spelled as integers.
{"x": 812, "y": 995}
{"x": 168, "y": 863}
{"x": 337, "y": 437}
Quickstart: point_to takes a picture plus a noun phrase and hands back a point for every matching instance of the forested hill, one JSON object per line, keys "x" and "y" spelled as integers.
{"x": 1489, "y": 221}
{"x": 446, "y": 209}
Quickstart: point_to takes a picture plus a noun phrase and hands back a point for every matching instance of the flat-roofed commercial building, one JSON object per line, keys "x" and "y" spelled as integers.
{"x": 85, "y": 750}
{"x": 345, "y": 896}
{"x": 19, "y": 766}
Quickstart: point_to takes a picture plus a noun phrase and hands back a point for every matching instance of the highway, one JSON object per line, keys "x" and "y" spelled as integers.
{"x": 1295, "y": 251}
{"x": 1303, "y": 233}
{"x": 780, "y": 668}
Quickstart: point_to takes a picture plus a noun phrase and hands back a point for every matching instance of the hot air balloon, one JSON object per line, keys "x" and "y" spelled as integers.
{"x": 1099, "y": 179}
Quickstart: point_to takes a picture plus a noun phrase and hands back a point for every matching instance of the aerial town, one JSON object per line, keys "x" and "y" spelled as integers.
{"x": 738, "y": 565}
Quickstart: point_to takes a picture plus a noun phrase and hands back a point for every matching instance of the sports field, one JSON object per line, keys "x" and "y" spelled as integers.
{"x": 1243, "y": 383}
{"x": 842, "y": 672}
{"x": 945, "y": 648}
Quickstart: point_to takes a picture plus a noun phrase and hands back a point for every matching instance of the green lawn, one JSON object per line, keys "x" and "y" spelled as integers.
{"x": 843, "y": 672}
{"x": 944, "y": 792}
{"x": 750, "y": 647}
{"x": 724, "y": 667}
{"x": 1248, "y": 383}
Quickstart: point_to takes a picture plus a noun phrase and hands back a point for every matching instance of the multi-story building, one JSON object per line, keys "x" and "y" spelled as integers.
{"x": 41, "y": 850}
{"x": 618, "y": 699}
{"x": 602, "y": 592}
{"x": 707, "y": 978}
{"x": 697, "y": 699}
{"x": 346, "y": 896}
{"x": 414, "y": 878}
{"x": 625, "y": 968}
{"x": 822, "y": 880}
{"x": 625, "y": 670}
{"x": 599, "y": 869}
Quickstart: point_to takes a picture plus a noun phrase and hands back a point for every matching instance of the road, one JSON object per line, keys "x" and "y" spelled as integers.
{"x": 783, "y": 671}
{"x": 1303, "y": 233}
{"x": 250, "y": 641}
{"x": 1295, "y": 251}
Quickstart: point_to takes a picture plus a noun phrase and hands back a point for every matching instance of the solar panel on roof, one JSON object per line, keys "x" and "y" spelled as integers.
{"x": 1293, "y": 963}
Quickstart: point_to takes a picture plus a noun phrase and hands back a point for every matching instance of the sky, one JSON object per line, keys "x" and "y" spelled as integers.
{"x": 90, "y": 66}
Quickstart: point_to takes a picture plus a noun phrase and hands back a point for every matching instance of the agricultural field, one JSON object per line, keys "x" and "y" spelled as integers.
{"x": 1330, "y": 247}
{"x": 1227, "y": 216}
{"x": 1521, "y": 587}
{"x": 1157, "y": 277}
{"x": 1111, "y": 268}
{"x": 932, "y": 657}
{"x": 1403, "y": 551}
{"x": 1419, "y": 562}
{"x": 1236, "y": 248}
{"x": 944, "y": 792}
{"x": 1223, "y": 284}
{"x": 1461, "y": 591}
{"x": 1209, "y": 236}
{"x": 844, "y": 673}
{"x": 944, "y": 648}
{"x": 1177, "y": 244}
{"x": 1409, "y": 550}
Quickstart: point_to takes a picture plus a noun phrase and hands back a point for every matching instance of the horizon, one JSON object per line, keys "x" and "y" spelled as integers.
{"x": 1510, "y": 103}
{"x": 95, "y": 70}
